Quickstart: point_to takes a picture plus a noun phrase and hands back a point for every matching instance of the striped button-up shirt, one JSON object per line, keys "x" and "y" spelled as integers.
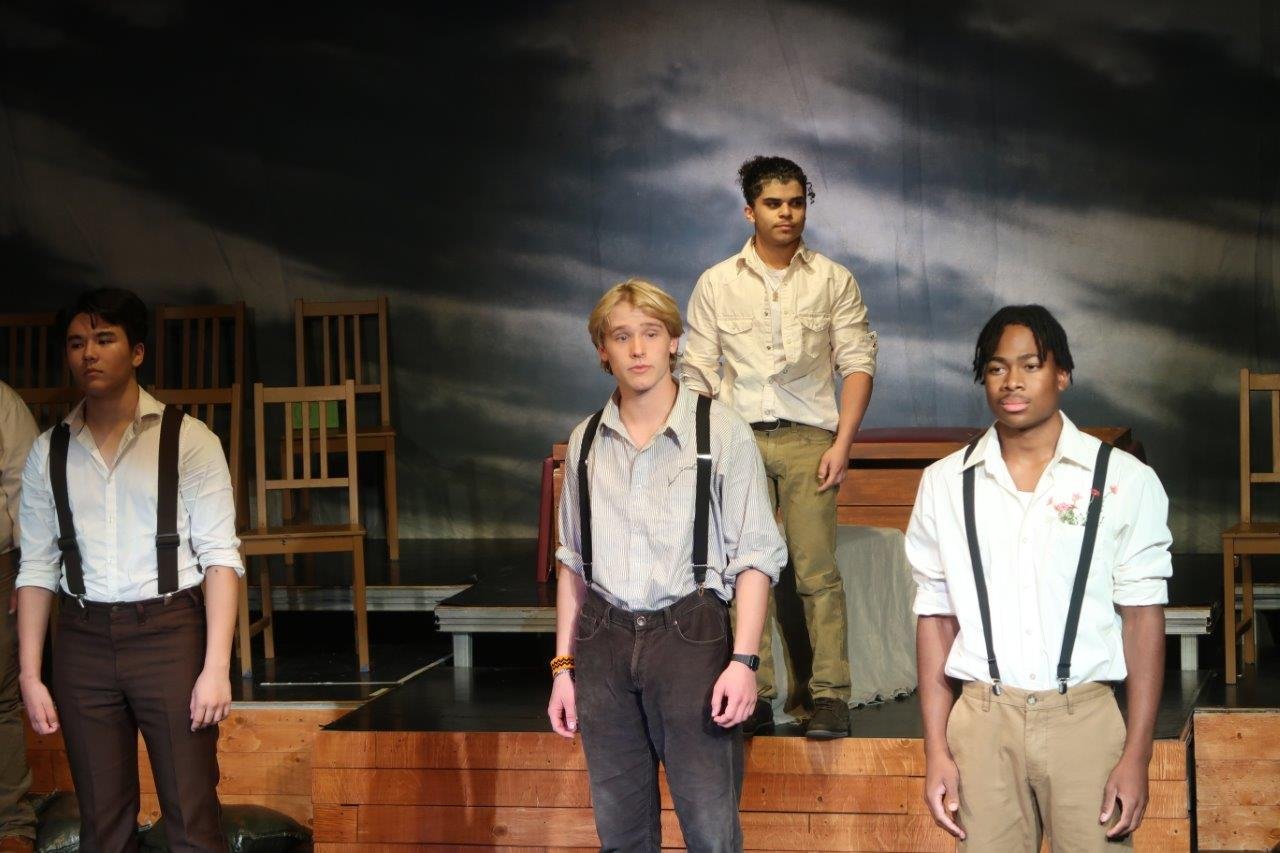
{"x": 642, "y": 505}
{"x": 823, "y": 329}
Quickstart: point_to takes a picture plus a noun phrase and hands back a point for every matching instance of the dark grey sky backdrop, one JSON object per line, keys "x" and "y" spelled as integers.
{"x": 494, "y": 172}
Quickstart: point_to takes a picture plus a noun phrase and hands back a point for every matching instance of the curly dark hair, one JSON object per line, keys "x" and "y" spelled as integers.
{"x": 760, "y": 170}
{"x": 1047, "y": 331}
{"x": 116, "y": 306}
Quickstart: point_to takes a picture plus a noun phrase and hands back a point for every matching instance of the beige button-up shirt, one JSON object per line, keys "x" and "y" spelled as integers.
{"x": 824, "y": 331}
{"x": 17, "y": 432}
{"x": 114, "y": 509}
{"x": 1029, "y": 550}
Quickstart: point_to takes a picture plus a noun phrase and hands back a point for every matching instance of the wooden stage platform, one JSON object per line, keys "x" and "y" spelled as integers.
{"x": 462, "y": 758}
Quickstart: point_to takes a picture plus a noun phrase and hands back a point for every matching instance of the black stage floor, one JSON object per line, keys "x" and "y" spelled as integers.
{"x": 491, "y": 699}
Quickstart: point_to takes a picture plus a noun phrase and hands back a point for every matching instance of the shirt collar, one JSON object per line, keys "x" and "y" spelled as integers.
{"x": 680, "y": 422}
{"x": 748, "y": 257}
{"x": 148, "y": 408}
{"x": 1072, "y": 446}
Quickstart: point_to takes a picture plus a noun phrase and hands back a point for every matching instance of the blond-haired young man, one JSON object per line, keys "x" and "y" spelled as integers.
{"x": 664, "y": 519}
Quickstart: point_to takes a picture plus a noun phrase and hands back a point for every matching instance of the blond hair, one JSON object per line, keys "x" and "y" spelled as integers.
{"x": 646, "y": 296}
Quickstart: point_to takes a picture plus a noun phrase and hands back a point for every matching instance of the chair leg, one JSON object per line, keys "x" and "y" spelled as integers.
{"x": 1249, "y": 644}
{"x": 393, "y": 519}
{"x": 358, "y": 602}
{"x": 1229, "y": 609}
{"x": 243, "y": 637}
{"x": 268, "y": 619}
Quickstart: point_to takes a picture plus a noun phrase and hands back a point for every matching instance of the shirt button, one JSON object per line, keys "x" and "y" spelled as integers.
{"x": 1033, "y": 676}
{"x": 768, "y": 347}
{"x": 1028, "y": 632}
{"x": 1025, "y": 540}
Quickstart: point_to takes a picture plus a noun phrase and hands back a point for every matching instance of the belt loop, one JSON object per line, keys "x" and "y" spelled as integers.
{"x": 1070, "y": 709}
{"x": 986, "y": 698}
{"x": 142, "y": 613}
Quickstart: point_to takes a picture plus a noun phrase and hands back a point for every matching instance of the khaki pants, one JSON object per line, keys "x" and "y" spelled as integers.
{"x": 791, "y": 456}
{"x": 1035, "y": 763}
{"x": 16, "y": 815}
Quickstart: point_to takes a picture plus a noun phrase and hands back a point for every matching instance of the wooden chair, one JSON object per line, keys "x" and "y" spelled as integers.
{"x": 1244, "y": 540}
{"x": 221, "y": 411}
{"x": 209, "y": 345}
{"x": 343, "y": 355}
{"x": 49, "y": 406}
{"x": 34, "y": 353}
{"x": 313, "y": 443}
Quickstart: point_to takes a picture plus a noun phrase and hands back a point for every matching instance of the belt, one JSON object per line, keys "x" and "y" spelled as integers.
{"x": 195, "y": 593}
{"x": 770, "y": 426}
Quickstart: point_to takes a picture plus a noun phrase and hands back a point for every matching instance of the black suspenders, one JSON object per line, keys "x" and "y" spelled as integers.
{"x": 167, "y": 538}
{"x": 702, "y": 499}
{"x": 1082, "y": 567}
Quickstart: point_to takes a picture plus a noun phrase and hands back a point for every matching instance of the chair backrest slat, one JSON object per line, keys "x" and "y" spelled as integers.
{"x": 200, "y": 331}
{"x": 35, "y": 355}
{"x": 349, "y": 357}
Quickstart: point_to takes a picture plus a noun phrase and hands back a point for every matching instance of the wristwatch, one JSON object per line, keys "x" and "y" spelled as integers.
{"x": 752, "y": 662}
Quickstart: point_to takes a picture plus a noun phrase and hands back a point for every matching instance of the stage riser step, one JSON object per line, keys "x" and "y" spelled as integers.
{"x": 1237, "y": 759}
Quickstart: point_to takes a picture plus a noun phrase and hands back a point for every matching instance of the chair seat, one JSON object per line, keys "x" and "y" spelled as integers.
{"x": 1252, "y": 530}
{"x": 368, "y": 431}
{"x": 302, "y": 531}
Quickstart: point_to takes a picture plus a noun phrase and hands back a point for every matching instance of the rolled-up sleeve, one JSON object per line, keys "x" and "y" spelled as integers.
{"x": 41, "y": 564}
{"x": 17, "y": 432}
{"x": 1143, "y": 564}
{"x": 700, "y": 367}
{"x": 853, "y": 343}
{"x": 924, "y": 555}
{"x": 205, "y": 486}
{"x": 750, "y": 532}
{"x": 569, "y": 552}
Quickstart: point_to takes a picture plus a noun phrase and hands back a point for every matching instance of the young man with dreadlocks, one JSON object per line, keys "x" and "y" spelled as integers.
{"x": 1041, "y": 558}
{"x": 785, "y": 319}
{"x": 663, "y": 520}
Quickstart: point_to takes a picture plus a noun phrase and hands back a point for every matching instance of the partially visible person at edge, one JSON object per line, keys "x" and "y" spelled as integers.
{"x": 17, "y": 818}
{"x": 785, "y": 320}
{"x": 131, "y": 655}
{"x": 1036, "y": 743}
{"x": 647, "y": 666}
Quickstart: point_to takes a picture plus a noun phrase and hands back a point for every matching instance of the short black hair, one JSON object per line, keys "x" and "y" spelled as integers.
{"x": 760, "y": 170}
{"x": 116, "y": 306}
{"x": 1049, "y": 335}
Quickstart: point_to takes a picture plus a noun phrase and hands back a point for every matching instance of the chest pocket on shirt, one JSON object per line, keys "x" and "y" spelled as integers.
{"x": 734, "y": 337}
{"x": 815, "y": 334}
{"x": 674, "y": 518}
{"x": 1065, "y": 545}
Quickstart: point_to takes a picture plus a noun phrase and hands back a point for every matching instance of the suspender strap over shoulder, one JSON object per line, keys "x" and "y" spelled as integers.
{"x": 584, "y": 493}
{"x": 979, "y": 579}
{"x": 702, "y": 499}
{"x": 167, "y": 538}
{"x": 59, "y": 441}
{"x": 1082, "y": 568}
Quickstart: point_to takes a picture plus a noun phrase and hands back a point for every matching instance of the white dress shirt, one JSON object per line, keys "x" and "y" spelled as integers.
{"x": 823, "y": 325}
{"x": 1029, "y": 557}
{"x": 642, "y": 504}
{"x": 17, "y": 432}
{"x": 114, "y": 509}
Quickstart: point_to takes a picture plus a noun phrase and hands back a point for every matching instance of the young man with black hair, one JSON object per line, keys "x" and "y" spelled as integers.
{"x": 127, "y": 516}
{"x": 1041, "y": 558}
{"x": 17, "y": 819}
{"x": 785, "y": 319}
{"x": 663, "y": 520}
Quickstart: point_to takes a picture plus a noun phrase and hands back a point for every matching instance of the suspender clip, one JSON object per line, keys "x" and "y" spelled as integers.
{"x": 68, "y": 543}
{"x": 996, "y": 687}
{"x": 80, "y": 601}
{"x": 167, "y": 540}
{"x": 1062, "y": 685}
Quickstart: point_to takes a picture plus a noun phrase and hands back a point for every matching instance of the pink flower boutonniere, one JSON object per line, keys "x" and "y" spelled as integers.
{"x": 1072, "y": 512}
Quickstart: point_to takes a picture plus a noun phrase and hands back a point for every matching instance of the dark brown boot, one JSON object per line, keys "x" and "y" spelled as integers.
{"x": 830, "y": 720}
{"x": 761, "y": 720}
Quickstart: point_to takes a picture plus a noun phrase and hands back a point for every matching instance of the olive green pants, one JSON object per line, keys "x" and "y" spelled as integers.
{"x": 16, "y": 815}
{"x": 791, "y": 456}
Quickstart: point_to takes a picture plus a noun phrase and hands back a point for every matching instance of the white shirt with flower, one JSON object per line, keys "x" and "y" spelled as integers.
{"x": 1029, "y": 556}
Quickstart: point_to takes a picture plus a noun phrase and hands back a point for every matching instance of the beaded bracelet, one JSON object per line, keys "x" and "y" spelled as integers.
{"x": 563, "y": 663}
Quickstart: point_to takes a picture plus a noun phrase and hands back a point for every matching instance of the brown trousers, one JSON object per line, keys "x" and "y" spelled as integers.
{"x": 16, "y": 814}
{"x": 1035, "y": 763}
{"x": 118, "y": 669}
